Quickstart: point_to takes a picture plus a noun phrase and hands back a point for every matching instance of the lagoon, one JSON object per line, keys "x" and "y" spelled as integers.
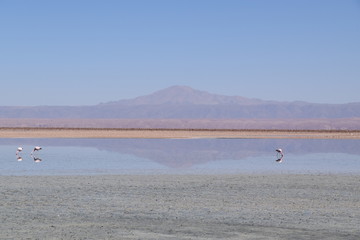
{"x": 179, "y": 156}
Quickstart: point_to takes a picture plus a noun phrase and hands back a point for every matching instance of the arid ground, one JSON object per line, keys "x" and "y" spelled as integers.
{"x": 172, "y": 133}
{"x": 180, "y": 207}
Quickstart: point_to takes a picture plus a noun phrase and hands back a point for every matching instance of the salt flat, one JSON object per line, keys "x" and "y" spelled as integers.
{"x": 180, "y": 207}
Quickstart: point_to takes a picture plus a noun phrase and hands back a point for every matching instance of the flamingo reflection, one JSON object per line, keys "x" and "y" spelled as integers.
{"x": 36, "y": 159}
{"x": 279, "y": 160}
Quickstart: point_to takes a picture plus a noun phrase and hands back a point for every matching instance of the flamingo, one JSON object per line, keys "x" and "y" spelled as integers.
{"x": 37, "y": 148}
{"x": 280, "y": 154}
{"x": 279, "y": 150}
{"x": 19, "y": 149}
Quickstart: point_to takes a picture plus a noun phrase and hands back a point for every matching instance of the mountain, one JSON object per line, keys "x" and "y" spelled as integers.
{"x": 183, "y": 95}
{"x": 181, "y": 102}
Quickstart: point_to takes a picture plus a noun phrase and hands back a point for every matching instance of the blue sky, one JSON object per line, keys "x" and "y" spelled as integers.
{"x": 84, "y": 52}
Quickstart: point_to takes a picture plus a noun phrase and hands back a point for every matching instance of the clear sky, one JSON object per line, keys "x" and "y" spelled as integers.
{"x": 83, "y": 52}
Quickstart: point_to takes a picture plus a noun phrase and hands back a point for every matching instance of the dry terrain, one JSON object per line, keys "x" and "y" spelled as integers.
{"x": 172, "y": 133}
{"x": 180, "y": 207}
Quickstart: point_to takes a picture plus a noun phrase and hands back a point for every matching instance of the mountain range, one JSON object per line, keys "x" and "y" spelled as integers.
{"x": 181, "y": 102}
{"x": 184, "y": 107}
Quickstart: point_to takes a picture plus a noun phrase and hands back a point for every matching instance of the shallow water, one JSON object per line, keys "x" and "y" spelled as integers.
{"x": 178, "y": 156}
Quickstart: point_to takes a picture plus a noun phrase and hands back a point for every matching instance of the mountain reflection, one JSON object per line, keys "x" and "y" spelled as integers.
{"x": 184, "y": 153}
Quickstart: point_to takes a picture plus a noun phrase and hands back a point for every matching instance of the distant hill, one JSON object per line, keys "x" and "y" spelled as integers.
{"x": 181, "y": 102}
{"x": 183, "y": 95}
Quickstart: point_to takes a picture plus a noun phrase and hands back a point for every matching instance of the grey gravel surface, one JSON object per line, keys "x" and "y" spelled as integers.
{"x": 180, "y": 207}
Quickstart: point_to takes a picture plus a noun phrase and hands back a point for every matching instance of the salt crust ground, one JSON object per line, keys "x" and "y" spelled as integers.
{"x": 180, "y": 207}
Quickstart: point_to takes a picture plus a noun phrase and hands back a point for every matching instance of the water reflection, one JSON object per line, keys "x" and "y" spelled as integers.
{"x": 103, "y": 156}
{"x": 36, "y": 159}
{"x": 279, "y": 159}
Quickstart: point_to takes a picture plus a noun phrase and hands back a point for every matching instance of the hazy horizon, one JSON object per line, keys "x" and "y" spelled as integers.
{"x": 75, "y": 53}
{"x": 177, "y": 89}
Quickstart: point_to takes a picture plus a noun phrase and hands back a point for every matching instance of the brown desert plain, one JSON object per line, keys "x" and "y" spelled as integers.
{"x": 240, "y": 206}
{"x": 27, "y": 132}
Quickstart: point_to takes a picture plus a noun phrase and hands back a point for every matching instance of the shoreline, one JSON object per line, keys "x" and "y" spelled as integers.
{"x": 10, "y": 132}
